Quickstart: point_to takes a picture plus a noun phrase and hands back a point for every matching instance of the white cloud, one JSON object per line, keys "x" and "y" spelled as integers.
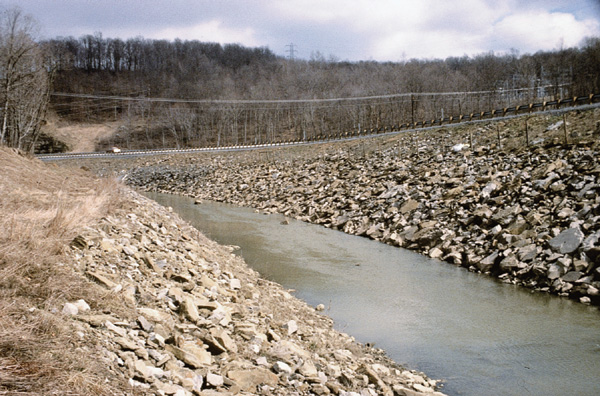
{"x": 425, "y": 28}
{"x": 356, "y": 15}
{"x": 210, "y": 31}
{"x": 395, "y": 29}
{"x": 533, "y": 31}
{"x": 436, "y": 44}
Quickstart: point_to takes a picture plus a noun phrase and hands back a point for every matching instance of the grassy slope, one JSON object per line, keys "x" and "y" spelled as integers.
{"x": 41, "y": 209}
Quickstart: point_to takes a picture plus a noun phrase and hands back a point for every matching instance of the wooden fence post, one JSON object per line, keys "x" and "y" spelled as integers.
{"x": 471, "y": 139}
{"x": 499, "y": 140}
{"x": 417, "y": 144}
{"x": 565, "y": 128}
{"x": 412, "y": 109}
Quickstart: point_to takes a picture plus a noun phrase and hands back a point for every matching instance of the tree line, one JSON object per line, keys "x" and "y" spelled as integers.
{"x": 392, "y": 92}
{"x": 194, "y": 70}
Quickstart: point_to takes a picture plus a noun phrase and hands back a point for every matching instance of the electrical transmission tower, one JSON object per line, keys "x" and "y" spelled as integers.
{"x": 291, "y": 51}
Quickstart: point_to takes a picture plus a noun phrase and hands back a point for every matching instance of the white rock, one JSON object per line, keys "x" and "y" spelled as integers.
{"x": 198, "y": 382}
{"x": 235, "y": 284}
{"x": 421, "y": 388}
{"x": 496, "y": 230}
{"x": 130, "y": 250}
{"x": 155, "y": 371}
{"x": 157, "y": 338}
{"x": 291, "y": 327}
{"x": 281, "y": 367}
{"x": 189, "y": 309}
{"x": 555, "y": 126}
{"x": 82, "y": 305}
{"x": 488, "y": 189}
{"x": 308, "y": 369}
{"x": 435, "y": 253}
{"x": 322, "y": 377}
{"x": 118, "y": 330}
{"x": 142, "y": 369}
{"x": 70, "y": 309}
{"x": 214, "y": 379}
{"x": 134, "y": 383}
{"x": 154, "y": 354}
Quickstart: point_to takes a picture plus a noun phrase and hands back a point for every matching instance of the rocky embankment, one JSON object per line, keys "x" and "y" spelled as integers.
{"x": 527, "y": 215}
{"x": 201, "y": 322}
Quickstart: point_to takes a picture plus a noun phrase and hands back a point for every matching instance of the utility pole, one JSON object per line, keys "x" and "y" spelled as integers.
{"x": 290, "y": 51}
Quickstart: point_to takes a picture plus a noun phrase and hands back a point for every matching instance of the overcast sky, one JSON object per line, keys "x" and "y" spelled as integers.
{"x": 381, "y": 30}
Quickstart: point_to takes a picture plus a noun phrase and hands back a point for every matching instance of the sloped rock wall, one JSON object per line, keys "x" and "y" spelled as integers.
{"x": 529, "y": 216}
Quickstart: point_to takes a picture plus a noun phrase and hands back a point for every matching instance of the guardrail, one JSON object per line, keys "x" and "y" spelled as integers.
{"x": 560, "y": 105}
{"x": 490, "y": 114}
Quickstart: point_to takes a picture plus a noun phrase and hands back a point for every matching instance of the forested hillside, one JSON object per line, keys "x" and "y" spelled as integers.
{"x": 229, "y": 94}
{"x": 196, "y": 70}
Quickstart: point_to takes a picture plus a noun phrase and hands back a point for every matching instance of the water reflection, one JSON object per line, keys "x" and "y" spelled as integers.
{"x": 483, "y": 337}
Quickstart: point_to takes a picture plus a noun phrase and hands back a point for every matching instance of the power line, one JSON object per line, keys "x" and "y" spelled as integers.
{"x": 284, "y": 101}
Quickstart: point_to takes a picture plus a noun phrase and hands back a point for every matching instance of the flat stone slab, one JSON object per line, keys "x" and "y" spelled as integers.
{"x": 567, "y": 241}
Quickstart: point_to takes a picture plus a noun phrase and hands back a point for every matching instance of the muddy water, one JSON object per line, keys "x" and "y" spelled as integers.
{"x": 481, "y": 336}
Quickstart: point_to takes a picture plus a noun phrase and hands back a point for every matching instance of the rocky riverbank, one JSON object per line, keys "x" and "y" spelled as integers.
{"x": 105, "y": 292}
{"x": 527, "y": 214}
{"x": 206, "y": 323}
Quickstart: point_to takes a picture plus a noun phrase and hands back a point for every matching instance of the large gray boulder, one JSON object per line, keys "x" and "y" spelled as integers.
{"x": 567, "y": 241}
{"x": 487, "y": 264}
{"x": 509, "y": 263}
{"x": 571, "y": 276}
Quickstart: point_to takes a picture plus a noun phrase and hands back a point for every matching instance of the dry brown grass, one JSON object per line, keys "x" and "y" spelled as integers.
{"x": 42, "y": 207}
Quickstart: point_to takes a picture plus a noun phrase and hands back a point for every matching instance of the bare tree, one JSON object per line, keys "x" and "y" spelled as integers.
{"x": 24, "y": 81}
{"x": 180, "y": 121}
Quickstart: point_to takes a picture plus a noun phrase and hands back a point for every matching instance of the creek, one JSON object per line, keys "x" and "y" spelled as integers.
{"x": 481, "y": 336}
